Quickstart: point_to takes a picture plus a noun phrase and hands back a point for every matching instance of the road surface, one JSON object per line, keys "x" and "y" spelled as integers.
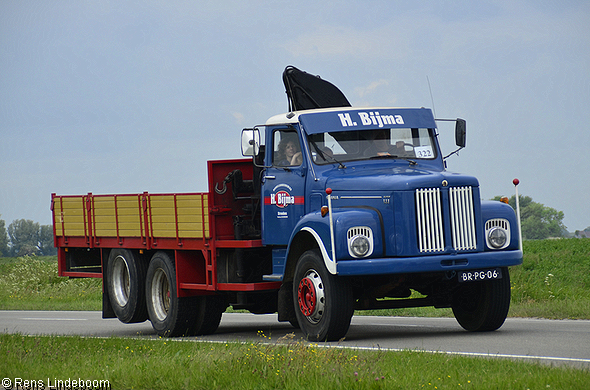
{"x": 546, "y": 341}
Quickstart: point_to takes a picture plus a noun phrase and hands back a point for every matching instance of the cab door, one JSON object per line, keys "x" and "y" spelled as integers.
{"x": 283, "y": 185}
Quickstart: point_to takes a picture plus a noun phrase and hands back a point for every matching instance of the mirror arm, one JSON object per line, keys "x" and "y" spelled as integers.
{"x": 450, "y": 154}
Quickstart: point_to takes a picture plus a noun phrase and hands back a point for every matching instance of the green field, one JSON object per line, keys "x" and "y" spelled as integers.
{"x": 553, "y": 282}
{"x": 31, "y": 283}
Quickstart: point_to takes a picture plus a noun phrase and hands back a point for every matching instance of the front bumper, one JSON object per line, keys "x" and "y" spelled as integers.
{"x": 433, "y": 263}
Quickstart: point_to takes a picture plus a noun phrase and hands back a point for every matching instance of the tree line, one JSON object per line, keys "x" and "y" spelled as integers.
{"x": 537, "y": 220}
{"x": 25, "y": 237}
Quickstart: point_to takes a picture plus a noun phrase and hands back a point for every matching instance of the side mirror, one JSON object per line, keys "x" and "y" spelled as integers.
{"x": 250, "y": 142}
{"x": 460, "y": 132}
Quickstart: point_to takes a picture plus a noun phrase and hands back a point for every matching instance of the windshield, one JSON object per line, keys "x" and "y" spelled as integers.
{"x": 340, "y": 146}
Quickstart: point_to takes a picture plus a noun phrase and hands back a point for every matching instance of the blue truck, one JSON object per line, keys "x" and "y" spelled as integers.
{"x": 335, "y": 209}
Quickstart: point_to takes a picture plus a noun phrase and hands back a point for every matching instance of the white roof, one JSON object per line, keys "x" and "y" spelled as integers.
{"x": 293, "y": 117}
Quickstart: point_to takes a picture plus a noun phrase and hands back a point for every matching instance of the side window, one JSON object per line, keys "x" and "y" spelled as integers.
{"x": 286, "y": 149}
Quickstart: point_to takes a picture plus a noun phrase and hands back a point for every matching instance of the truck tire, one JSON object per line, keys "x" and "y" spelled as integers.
{"x": 323, "y": 302}
{"x": 483, "y": 306}
{"x": 209, "y": 310}
{"x": 125, "y": 283}
{"x": 172, "y": 316}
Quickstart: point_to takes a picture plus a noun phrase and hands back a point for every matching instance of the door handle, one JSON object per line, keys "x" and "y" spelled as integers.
{"x": 266, "y": 177}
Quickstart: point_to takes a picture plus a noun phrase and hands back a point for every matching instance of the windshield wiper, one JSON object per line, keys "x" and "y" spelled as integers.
{"x": 323, "y": 155}
{"x": 384, "y": 156}
{"x": 393, "y": 156}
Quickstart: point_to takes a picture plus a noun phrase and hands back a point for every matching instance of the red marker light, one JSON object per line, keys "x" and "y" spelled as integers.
{"x": 516, "y": 182}
{"x": 328, "y": 191}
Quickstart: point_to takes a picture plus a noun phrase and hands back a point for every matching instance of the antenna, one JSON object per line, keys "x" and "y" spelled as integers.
{"x": 431, "y": 98}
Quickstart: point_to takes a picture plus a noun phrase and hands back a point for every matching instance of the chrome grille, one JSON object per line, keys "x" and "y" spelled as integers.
{"x": 462, "y": 218}
{"x": 429, "y": 211}
{"x": 498, "y": 222}
{"x": 430, "y": 226}
{"x": 359, "y": 230}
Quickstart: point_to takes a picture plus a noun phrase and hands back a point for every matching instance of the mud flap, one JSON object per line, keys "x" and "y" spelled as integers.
{"x": 107, "y": 309}
{"x": 286, "y": 307}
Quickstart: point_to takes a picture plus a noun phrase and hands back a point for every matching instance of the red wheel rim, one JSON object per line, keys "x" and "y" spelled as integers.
{"x": 307, "y": 297}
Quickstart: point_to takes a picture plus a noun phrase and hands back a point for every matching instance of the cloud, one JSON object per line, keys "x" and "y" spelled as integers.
{"x": 238, "y": 116}
{"x": 327, "y": 41}
{"x": 366, "y": 90}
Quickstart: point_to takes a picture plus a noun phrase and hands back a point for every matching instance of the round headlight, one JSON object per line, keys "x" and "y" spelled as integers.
{"x": 359, "y": 246}
{"x": 497, "y": 237}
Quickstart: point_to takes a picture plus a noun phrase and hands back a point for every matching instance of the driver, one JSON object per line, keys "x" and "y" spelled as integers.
{"x": 289, "y": 153}
{"x": 381, "y": 146}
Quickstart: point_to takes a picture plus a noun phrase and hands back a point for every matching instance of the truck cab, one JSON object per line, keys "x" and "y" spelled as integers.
{"x": 357, "y": 203}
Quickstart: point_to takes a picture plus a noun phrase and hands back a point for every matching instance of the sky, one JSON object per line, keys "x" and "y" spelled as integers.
{"x": 129, "y": 96}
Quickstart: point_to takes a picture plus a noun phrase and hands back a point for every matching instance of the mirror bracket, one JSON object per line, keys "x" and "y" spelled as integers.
{"x": 460, "y": 134}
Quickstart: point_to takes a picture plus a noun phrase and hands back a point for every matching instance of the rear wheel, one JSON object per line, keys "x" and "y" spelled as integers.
{"x": 173, "y": 316}
{"x": 323, "y": 302}
{"x": 483, "y": 306}
{"x": 209, "y": 310}
{"x": 170, "y": 315}
{"x": 125, "y": 281}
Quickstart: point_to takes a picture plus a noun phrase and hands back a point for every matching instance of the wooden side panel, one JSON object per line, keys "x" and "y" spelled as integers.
{"x": 179, "y": 216}
{"x": 129, "y": 216}
{"x": 162, "y": 216}
{"x": 117, "y": 215}
{"x": 192, "y": 221}
{"x": 104, "y": 219}
{"x": 70, "y": 215}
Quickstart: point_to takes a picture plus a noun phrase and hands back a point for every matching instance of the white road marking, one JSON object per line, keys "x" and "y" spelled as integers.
{"x": 53, "y": 319}
{"x": 472, "y": 354}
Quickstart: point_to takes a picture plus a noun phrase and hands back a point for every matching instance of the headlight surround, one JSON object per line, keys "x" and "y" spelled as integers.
{"x": 497, "y": 233}
{"x": 360, "y": 241}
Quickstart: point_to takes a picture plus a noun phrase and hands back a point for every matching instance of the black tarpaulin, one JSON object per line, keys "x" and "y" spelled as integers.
{"x": 306, "y": 91}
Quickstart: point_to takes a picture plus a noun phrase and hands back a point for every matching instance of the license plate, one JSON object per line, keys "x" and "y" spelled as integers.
{"x": 479, "y": 275}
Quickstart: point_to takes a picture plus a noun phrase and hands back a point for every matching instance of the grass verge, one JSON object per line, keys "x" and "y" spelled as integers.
{"x": 31, "y": 283}
{"x": 167, "y": 364}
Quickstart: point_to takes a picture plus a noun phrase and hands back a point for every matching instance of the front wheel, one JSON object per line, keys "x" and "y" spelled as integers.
{"x": 483, "y": 306}
{"x": 323, "y": 302}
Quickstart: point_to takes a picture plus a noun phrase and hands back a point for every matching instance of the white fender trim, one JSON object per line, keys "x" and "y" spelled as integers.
{"x": 330, "y": 264}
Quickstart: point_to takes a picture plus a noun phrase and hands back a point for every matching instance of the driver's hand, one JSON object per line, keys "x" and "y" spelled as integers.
{"x": 297, "y": 159}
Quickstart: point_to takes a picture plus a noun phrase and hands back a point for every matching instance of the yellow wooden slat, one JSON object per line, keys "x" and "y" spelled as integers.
{"x": 105, "y": 219}
{"x": 129, "y": 226}
{"x": 162, "y": 201}
{"x": 189, "y": 203}
{"x": 105, "y": 232}
{"x": 70, "y": 203}
{"x": 128, "y": 211}
{"x": 104, "y": 201}
{"x": 163, "y": 218}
